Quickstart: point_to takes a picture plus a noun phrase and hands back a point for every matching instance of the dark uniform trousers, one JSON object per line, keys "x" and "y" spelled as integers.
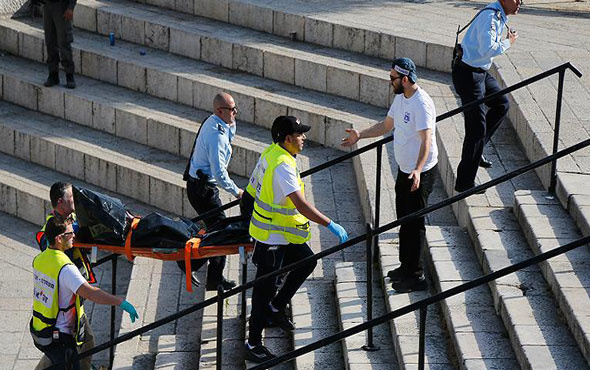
{"x": 480, "y": 122}
{"x": 269, "y": 258}
{"x": 58, "y": 36}
{"x": 411, "y": 234}
{"x": 204, "y": 197}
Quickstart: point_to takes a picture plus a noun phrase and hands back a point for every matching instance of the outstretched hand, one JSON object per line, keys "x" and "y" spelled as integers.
{"x": 128, "y": 307}
{"x": 353, "y": 137}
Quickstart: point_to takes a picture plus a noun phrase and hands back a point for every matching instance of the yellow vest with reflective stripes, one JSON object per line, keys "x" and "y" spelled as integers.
{"x": 46, "y": 269}
{"x": 269, "y": 218}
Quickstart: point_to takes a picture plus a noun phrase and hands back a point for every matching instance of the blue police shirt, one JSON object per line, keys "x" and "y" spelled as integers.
{"x": 483, "y": 39}
{"x": 212, "y": 153}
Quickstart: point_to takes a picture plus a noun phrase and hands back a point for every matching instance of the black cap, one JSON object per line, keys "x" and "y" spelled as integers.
{"x": 287, "y": 125}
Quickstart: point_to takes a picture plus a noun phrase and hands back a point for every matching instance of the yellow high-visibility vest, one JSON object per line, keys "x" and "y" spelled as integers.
{"x": 270, "y": 218}
{"x": 46, "y": 269}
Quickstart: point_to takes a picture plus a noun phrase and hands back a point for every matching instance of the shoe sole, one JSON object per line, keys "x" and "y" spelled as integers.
{"x": 420, "y": 287}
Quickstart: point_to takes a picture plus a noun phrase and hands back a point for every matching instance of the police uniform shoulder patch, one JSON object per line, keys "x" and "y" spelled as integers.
{"x": 220, "y": 128}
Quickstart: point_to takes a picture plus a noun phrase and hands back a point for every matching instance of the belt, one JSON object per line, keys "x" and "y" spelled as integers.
{"x": 466, "y": 66}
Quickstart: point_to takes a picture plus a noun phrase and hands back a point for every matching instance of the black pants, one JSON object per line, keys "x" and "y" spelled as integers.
{"x": 58, "y": 36}
{"x": 411, "y": 234}
{"x": 480, "y": 122}
{"x": 205, "y": 197}
{"x": 64, "y": 349}
{"x": 268, "y": 258}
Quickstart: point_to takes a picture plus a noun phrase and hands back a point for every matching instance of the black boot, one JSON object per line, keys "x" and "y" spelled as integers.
{"x": 52, "y": 80}
{"x": 70, "y": 82}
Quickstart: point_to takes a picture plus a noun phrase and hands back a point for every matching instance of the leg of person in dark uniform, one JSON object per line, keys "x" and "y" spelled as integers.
{"x": 470, "y": 86}
{"x": 50, "y": 11}
{"x": 498, "y": 108}
{"x": 65, "y": 37}
{"x": 295, "y": 278}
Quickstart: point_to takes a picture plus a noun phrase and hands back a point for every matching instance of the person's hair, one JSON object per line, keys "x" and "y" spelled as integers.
{"x": 58, "y": 191}
{"x": 54, "y": 228}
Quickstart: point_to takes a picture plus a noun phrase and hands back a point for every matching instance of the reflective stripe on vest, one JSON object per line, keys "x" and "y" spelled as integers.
{"x": 269, "y": 217}
{"x": 47, "y": 267}
{"x": 270, "y": 208}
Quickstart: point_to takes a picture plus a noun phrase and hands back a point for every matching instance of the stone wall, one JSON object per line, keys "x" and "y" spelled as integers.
{"x": 9, "y": 8}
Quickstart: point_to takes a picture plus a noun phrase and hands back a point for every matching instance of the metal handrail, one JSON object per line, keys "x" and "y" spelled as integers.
{"x": 378, "y": 229}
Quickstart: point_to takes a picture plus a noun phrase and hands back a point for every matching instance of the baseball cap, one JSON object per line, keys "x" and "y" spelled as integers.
{"x": 405, "y": 67}
{"x": 286, "y": 125}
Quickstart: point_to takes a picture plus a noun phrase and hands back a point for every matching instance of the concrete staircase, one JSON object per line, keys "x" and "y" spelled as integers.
{"x": 129, "y": 126}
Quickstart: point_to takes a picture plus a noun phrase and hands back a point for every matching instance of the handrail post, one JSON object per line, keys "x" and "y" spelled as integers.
{"x": 378, "y": 195}
{"x": 553, "y": 180}
{"x": 244, "y": 262}
{"x": 114, "y": 292}
{"x": 219, "y": 339}
{"x": 369, "y": 346}
{"x": 421, "y": 341}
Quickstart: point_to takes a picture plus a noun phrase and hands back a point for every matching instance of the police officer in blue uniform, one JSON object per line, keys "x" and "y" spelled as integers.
{"x": 482, "y": 42}
{"x": 207, "y": 169}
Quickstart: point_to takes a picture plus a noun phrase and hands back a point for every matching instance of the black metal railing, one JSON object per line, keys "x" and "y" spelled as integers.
{"x": 372, "y": 234}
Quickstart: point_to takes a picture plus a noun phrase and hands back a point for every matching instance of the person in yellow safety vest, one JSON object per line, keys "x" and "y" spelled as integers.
{"x": 280, "y": 228}
{"x": 58, "y": 324}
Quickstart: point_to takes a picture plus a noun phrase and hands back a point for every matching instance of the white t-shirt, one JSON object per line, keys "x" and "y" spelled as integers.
{"x": 410, "y": 116}
{"x": 70, "y": 279}
{"x": 284, "y": 182}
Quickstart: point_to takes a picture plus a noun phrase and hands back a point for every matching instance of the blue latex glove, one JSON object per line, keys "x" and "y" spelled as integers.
{"x": 338, "y": 231}
{"x": 128, "y": 307}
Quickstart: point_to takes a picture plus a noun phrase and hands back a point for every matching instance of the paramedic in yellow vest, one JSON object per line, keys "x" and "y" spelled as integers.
{"x": 62, "y": 201}
{"x": 281, "y": 230}
{"x": 58, "y": 324}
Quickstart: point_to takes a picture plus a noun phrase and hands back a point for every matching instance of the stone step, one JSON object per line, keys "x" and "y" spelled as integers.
{"x": 351, "y": 291}
{"x": 547, "y": 226}
{"x": 500, "y": 242}
{"x": 477, "y": 332}
{"x": 140, "y": 118}
{"x": 195, "y": 83}
{"x": 312, "y": 27}
{"x": 405, "y": 329}
{"x": 317, "y": 68}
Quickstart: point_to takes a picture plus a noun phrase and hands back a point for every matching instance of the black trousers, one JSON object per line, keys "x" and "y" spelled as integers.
{"x": 269, "y": 258}
{"x": 411, "y": 234}
{"x": 204, "y": 197}
{"x": 480, "y": 122}
{"x": 64, "y": 349}
{"x": 59, "y": 36}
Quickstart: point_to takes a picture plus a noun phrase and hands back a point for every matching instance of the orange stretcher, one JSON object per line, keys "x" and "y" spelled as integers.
{"x": 192, "y": 250}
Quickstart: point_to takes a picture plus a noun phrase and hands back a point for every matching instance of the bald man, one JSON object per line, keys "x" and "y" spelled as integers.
{"x": 206, "y": 170}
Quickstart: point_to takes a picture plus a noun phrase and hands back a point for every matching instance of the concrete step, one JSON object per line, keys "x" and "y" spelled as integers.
{"x": 351, "y": 291}
{"x": 405, "y": 329}
{"x": 195, "y": 83}
{"x": 322, "y": 69}
{"x": 477, "y": 332}
{"x": 146, "y": 120}
{"x": 499, "y": 242}
{"x": 547, "y": 226}
{"x": 312, "y": 27}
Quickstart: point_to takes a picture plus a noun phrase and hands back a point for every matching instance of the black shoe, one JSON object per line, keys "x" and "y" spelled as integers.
{"x": 52, "y": 79}
{"x": 258, "y": 354}
{"x": 461, "y": 189}
{"x": 410, "y": 284}
{"x": 483, "y": 162}
{"x": 226, "y": 284}
{"x": 70, "y": 82}
{"x": 281, "y": 320}
{"x": 396, "y": 275}
{"x": 196, "y": 282}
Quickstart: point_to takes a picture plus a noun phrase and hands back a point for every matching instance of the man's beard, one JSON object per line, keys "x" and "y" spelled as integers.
{"x": 398, "y": 90}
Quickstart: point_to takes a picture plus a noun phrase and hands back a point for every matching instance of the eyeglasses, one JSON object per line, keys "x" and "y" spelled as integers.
{"x": 391, "y": 78}
{"x": 233, "y": 109}
{"x": 67, "y": 233}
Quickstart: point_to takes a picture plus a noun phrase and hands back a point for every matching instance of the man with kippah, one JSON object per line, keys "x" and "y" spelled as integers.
{"x": 280, "y": 228}
{"x": 413, "y": 116}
